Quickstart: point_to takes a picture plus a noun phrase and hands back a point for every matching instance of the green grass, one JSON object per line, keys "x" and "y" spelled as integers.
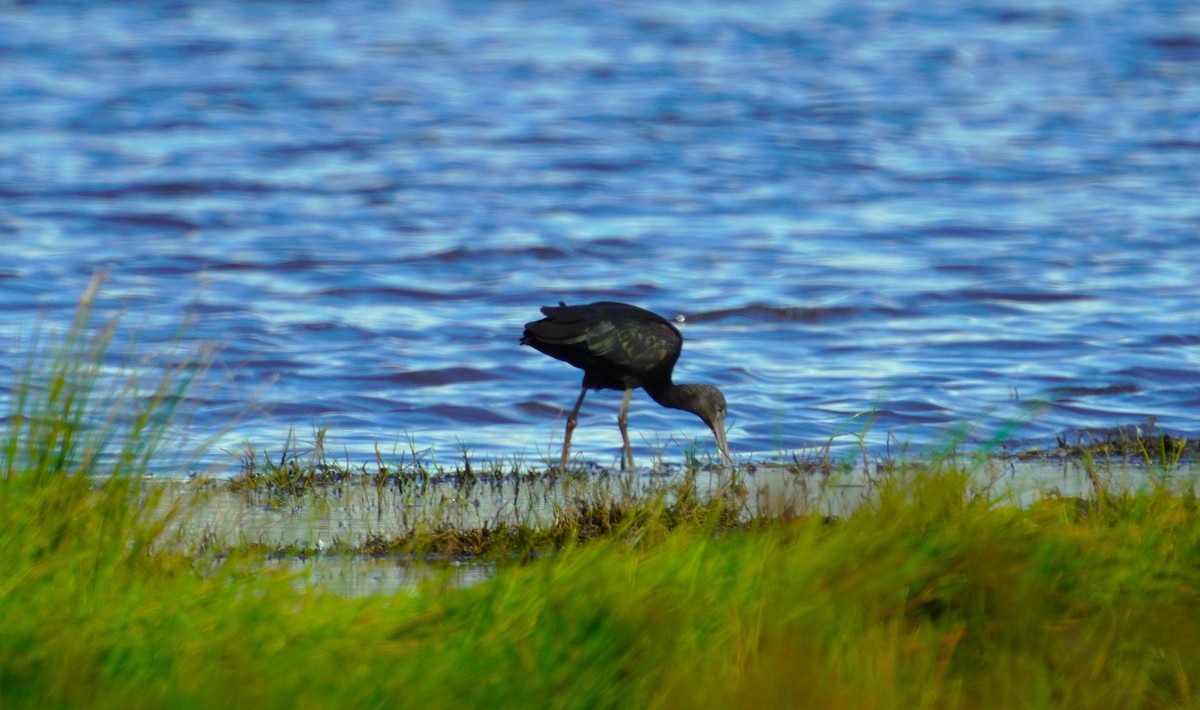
{"x": 935, "y": 593}
{"x": 926, "y": 598}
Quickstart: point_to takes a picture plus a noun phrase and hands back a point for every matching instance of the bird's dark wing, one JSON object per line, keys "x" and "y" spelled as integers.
{"x": 637, "y": 347}
{"x": 612, "y": 341}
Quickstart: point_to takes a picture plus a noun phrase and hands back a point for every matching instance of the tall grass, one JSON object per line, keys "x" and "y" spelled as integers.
{"x": 75, "y": 520}
{"x": 934, "y": 595}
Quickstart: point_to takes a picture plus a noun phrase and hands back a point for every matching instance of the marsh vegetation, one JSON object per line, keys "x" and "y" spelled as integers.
{"x": 939, "y": 582}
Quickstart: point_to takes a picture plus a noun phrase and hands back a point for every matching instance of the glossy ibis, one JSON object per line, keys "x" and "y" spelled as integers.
{"x": 623, "y": 347}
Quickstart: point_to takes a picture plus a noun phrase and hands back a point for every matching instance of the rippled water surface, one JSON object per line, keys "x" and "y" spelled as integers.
{"x": 935, "y": 212}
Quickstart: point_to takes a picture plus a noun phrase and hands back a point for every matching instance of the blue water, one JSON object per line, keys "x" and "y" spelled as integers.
{"x": 938, "y": 212}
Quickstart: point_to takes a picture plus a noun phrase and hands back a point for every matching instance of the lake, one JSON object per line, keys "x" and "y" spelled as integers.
{"x": 893, "y": 221}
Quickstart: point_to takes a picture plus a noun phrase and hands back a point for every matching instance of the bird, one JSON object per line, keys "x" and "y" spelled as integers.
{"x": 623, "y": 347}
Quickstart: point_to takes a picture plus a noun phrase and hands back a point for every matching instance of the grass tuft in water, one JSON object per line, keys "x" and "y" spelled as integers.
{"x": 475, "y": 507}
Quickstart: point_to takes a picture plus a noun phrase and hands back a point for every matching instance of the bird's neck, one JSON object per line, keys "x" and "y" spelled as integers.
{"x": 669, "y": 395}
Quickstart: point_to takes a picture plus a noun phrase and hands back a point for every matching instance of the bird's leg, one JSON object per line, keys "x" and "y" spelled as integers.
{"x": 571, "y": 420}
{"x": 623, "y": 421}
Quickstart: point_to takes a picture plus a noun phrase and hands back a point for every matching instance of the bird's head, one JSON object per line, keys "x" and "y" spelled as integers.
{"x": 707, "y": 402}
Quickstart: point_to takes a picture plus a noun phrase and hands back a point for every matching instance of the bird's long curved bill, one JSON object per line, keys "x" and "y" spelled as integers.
{"x": 718, "y": 430}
